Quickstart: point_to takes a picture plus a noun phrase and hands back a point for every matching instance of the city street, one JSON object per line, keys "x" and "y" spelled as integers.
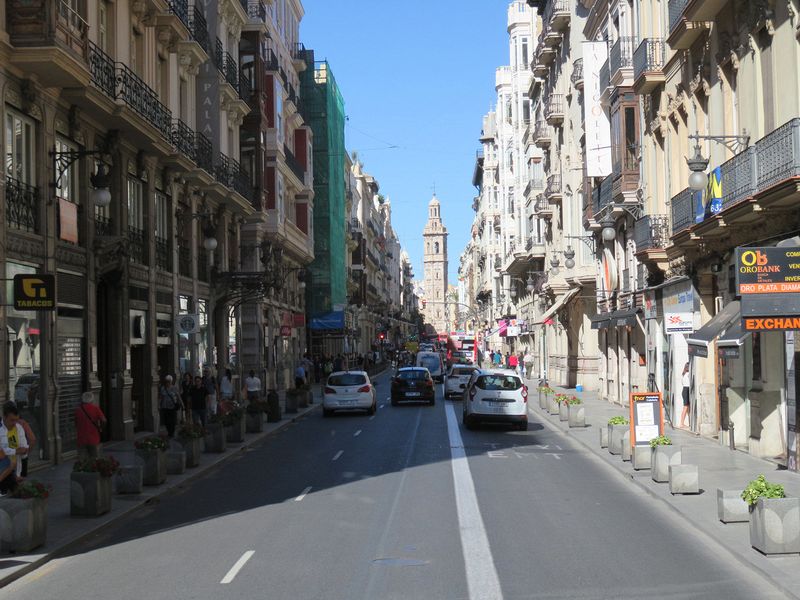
{"x": 386, "y": 507}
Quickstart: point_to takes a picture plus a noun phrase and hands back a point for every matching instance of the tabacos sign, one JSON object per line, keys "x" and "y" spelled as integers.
{"x": 34, "y": 292}
{"x": 768, "y": 270}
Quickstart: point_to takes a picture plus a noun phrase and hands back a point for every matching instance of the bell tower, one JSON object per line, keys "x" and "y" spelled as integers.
{"x": 435, "y": 267}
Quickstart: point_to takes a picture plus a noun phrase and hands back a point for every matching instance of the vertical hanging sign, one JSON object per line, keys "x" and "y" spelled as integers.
{"x": 598, "y": 127}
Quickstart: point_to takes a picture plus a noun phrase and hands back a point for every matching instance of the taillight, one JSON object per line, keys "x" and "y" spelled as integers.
{"x": 364, "y": 388}
{"x": 525, "y": 393}
{"x": 329, "y": 390}
{"x": 429, "y": 382}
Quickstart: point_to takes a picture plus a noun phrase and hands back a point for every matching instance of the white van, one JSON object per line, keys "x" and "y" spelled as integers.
{"x": 433, "y": 362}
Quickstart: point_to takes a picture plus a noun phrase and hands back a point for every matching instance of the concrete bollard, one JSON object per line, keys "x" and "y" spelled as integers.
{"x": 731, "y": 508}
{"x": 684, "y": 479}
{"x": 641, "y": 457}
{"x": 604, "y": 437}
{"x": 626, "y": 446}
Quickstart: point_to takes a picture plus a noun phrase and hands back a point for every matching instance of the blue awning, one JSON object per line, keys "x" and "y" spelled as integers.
{"x": 328, "y": 321}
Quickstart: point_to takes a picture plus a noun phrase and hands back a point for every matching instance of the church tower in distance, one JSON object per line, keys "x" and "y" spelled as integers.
{"x": 435, "y": 263}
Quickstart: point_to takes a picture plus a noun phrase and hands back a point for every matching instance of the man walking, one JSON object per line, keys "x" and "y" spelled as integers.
{"x": 252, "y": 386}
{"x": 89, "y": 421}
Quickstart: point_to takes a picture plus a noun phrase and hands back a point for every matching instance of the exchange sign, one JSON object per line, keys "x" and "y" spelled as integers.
{"x": 768, "y": 270}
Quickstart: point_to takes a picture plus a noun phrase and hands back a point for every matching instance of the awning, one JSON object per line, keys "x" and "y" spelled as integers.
{"x": 624, "y": 318}
{"x": 700, "y": 339}
{"x": 600, "y": 321}
{"x": 328, "y": 321}
{"x": 734, "y": 335}
{"x": 557, "y": 306}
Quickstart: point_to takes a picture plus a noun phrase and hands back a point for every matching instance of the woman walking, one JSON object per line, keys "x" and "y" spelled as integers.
{"x": 170, "y": 403}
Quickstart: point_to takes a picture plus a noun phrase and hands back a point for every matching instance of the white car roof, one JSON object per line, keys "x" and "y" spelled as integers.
{"x": 364, "y": 373}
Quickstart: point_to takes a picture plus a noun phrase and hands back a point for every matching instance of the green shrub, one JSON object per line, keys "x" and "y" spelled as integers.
{"x": 574, "y": 400}
{"x": 618, "y": 421}
{"x": 761, "y": 488}
{"x": 661, "y": 440}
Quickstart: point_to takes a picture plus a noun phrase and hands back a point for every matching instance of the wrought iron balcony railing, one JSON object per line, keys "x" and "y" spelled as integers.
{"x": 605, "y": 76}
{"x": 778, "y": 155}
{"x": 222, "y": 170}
{"x": 553, "y": 187}
{"x": 601, "y": 195}
{"x": 180, "y": 8}
{"x": 198, "y": 26}
{"x": 648, "y": 57}
{"x": 245, "y": 87}
{"x": 22, "y": 205}
{"x": 137, "y": 245}
{"x": 682, "y": 211}
{"x": 241, "y": 180}
{"x": 270, "y": 60}
{"x": 554, "y": 110}
{"x": 184, "y": 258}
{"x": 298, "y": 51}
{"x": 294, "y": 164}
{"x": 183, "y": 138}
{"x": 577, "y": 73}
{"x": 103, "y": 70}
{"x": 651, "y": 232}
{"x": 621, "y": 54}
{"x": 676, "y": 8}
{"x": 163, "y": 261}
{"x": 137, "y": 95}
{"x": 231, "y": 71}
{"x": 219, "y": 56}
{"x": 203, "y": 152}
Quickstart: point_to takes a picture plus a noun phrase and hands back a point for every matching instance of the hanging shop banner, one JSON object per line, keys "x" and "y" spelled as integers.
{"x": 771, "y": 323}
{"x": 34, "y": 292}
{"x": 679, "y": 308}
{"x": 67, "y": 221}
{"x": 286, "y": 330}
{"x": 768, "y": 270}
{"x": 709, "y": 202}
{"x": 610, "y": 279}
{"x": 647, "y": 417}
{"x": 650, "y": 306}
{"x": 598, "y": 127}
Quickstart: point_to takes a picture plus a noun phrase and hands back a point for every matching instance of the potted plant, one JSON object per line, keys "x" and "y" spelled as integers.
{"x": 215, "y": 439}
{"x": 152, "y": 451}
{"x": 616, "y": 429}
{"x": 254, "y": 416}
{"x": 774, "y": 518}
{"x": 234, "y": 424}
{"x": 23, "y": 517}
{"x": 544, "y": 392}
{"x": 664, "y": 455}
{"x": 552, "y": 403}
{"x": 563, "y": 407}
{"x": 190, "y": 436}
{"x": 577, "y": 412}
{"x": 90, "y": 486}
{"x": 292, "y": 399}
{"x": 273, "y": 407}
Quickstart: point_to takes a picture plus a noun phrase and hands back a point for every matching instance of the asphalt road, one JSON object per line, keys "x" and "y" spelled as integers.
{"x": 399, "y": 506}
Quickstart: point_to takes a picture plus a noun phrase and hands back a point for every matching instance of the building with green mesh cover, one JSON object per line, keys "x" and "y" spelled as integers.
{"x": 323, "y": 109}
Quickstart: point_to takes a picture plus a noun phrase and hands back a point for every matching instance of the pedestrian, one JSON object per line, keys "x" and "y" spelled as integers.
{"x": 521, "y": 365}
{"x": 226, "y": 386}
{"x": 338, "y": 363}
{"x": 169, "y": 402}
{"x": 299, "y": 376}
{"x": 8, "y": 475}
{"x": 186, "y": 386}
{"x": 210, "y": 383}
{"x": 198, "y": 401}
{"x": 12, "y": 438}
{"x": 685, "y": 393}
{"x": 507, "y": 360}
{"x": 528, "y": 361}
{"x": 252, "y": 387}
{"x": 512, "y": 361}
{"x": 89, "y": 423}
{"x": 31, "y": 437}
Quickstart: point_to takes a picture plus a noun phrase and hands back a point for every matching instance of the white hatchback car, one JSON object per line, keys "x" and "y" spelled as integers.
{"x": 496, "y": 396}
{"x": 348, "y": 390}
{"x": 457, "y": 380}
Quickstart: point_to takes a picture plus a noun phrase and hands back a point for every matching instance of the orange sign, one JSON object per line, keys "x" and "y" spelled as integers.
{"x": 68, "y": 221}
{"x": 771, "y": 323}
{"x": 647, "y": 417}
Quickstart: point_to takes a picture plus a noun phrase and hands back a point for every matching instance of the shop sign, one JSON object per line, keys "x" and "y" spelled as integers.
{"x": 185, "y": 324}
{"x": 679, "y": 308}
{"x": 286, "y": 330}
{"x": 647, "y": 417}
{"x": 727, "y": 351}
{"x": 298, "y": 319}
{"x": 34, "y": 292}
{"x": 650, "y": 308}
{"x": 771, "y": 323}
{"x": 768, "y": 270}
{"x": 68, "y": 221}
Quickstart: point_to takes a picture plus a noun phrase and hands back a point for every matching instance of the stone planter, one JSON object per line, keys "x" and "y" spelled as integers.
{"x": 577, "y": 415}
{"x": 775, "y": 526}
{"x": 731, "y": 508}
{"x": 154, "y": 463}
{"x": 192, "y": 447}
{"x": 273, "y": 407}
{"x": 662, "y": 458}
{"x": 23, "y": 523}
{"x": 641, "y": 457}
{"x": 543, "y": 402}
{"x": 604, "y": 437}
{"x": 625, "y": 446}
{"x": 563, "y": 411}
{"x": 684, "y": 479}
{"x": 615, "y": 433}
{"x": 292, "y": 400}
{"x": 215, "y": 438}
{"x": 552, "y": 405}
{"x": 176, "y": 461}
{"x": 234, "y": 434}
{"x": 89, "y": 494}
{"x": 254, "y": 422}
{"x": 128, "y": 479}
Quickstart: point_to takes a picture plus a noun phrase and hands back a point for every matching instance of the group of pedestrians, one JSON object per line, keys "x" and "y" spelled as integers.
{"x": 197, "y": 399}
{"x": 16, "y": 440}
{"x": 515, "y": 361}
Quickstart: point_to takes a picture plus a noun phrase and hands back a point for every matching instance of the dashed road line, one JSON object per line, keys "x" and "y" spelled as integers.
{"x": 337, "y": 455}
{"x": 303, "y": 494}
{"x": 357, "y": 433}
{"x": 237, "y": 567}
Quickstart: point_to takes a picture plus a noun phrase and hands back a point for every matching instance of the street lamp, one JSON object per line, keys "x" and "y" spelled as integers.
{"x": 609, "y": 232}
{"x": 554, "y": 264}
{"x": 569, "y": 255}
{"x": 101, "y": 180}
{"x": 698, "y": 180}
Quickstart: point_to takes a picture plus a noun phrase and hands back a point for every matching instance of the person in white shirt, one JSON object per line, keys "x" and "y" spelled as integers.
{"x": 226, "y": 386}
{"x": 12, "y": 437}
{"x": 685, "y": 383}
{"x": 252, "y": 386}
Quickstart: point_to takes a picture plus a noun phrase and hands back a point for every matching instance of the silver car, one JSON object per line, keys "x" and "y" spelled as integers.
{"x": 457, "y": 380}
{"x": 496, "y": 396}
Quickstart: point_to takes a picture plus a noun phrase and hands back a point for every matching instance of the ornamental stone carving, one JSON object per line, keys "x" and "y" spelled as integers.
{"x": 24, "y": 246}
{"x": 75, "y": 257}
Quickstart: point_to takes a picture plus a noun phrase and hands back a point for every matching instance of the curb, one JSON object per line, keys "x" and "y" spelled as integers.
{"x": 157, "y": 493}
{"x": 789, "y": 592}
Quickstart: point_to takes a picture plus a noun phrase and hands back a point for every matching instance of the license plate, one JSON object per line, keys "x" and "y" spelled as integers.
{"x": 412, "y": 394}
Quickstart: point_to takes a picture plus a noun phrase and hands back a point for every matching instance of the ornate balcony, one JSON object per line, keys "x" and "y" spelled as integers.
{"x": 293, "y": 164}
{"x": 183, "y": 138}
{"x": 542, "y": 207}
{"x": 542, "y": 134}
{"x": 198, "y": 27}
{"x": 203, "y": 152}
{"x": 137, "y": 245}
{"x": 648, "y": 65}
{"x": 684, "y": 32}
{"x": 552, "y": 191}
{"x": 620, "y": 61}
{"x": 554, "y": 110}
{"x": 50, "y": 40}
{"x": 257, "y": 11}
{"x": 651, "y": 232}
{"x": 138, "y": 96}
{"x": 577, "y": 74}
{"x": 682, "y": 211}
{"x": 22, "y": 206}
{"x": 299, "y": 56}
{"x": 602, "y": 196}
{"x": 557, "y": 14}
{"x": 533, "y": 186}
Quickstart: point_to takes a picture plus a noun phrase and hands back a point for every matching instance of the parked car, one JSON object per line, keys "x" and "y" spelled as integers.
{"x": 414, "y": 384}
{"x": 348, "y": 390}
{"x": 26, "y": 390}
{"x": 457, "y": 380}
{"x": 433, "y": 362}
{"x": 496, "y": 396}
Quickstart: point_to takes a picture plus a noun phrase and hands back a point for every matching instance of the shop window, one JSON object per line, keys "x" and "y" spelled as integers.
{"x": 19, "y": 147}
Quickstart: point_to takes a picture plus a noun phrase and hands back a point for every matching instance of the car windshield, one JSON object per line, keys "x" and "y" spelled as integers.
{"x": 466, "y": 372}
{"x": 413, "y": 374}
{"x": 347, "y": 379}
{"x": 499, "y": 382}
{"x": 430, "y": 362}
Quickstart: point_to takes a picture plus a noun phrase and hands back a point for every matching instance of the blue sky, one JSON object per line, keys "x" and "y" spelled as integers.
{"x": 418, "y": 75}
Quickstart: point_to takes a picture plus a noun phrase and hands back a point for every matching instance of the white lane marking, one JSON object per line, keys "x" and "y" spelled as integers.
{"x": 357, "y": 433}
{"x": 303, "y": 494}
{"x": 338, "y": 454}
{"x": 237, "y": 567}
{"x": 372, "y": 417}
{"x": 482, "y": 578}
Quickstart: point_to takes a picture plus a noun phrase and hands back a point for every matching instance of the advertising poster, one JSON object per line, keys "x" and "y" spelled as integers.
{"x": 679, "y": 308}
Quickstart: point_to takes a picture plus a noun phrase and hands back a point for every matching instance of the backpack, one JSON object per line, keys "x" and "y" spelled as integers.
{"x": 168, "y": 399}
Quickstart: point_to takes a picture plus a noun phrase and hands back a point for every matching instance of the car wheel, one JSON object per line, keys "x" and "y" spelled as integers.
{"x": 371, "y": 410}
{"x": 469, "y": 422}
{"x": 394, "y": 402}
{"x": 327, "y": 412}
{"x": 522, "y": 426}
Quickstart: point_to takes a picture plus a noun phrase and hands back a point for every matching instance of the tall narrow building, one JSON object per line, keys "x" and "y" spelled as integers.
{"x": 435, "y": 263}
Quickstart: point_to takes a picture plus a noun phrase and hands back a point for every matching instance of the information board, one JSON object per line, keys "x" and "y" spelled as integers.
{"x": 768, "y": 270}
{"x": 647, "y": 417}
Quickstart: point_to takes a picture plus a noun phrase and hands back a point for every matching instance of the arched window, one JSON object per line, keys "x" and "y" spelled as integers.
{"x": 436, "y": 247}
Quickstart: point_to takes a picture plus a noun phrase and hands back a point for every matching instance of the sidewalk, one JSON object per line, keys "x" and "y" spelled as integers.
{"x": 64, "y": 531}
{"x": 719, "y": 467}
